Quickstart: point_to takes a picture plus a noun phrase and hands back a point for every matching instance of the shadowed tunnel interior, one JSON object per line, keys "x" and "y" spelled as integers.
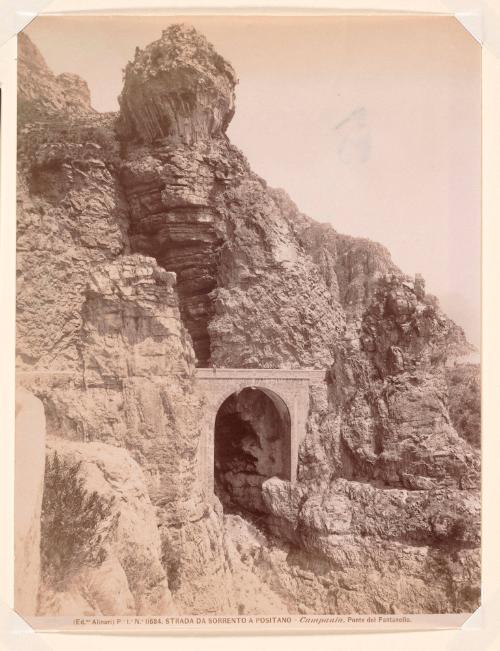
{"x": 252, "y": 443}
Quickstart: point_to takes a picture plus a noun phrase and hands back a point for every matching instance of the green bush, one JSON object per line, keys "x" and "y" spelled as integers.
{"x": 75, "y": 524}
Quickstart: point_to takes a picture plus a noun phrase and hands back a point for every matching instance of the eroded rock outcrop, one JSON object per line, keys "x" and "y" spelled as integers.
{"x": 147, "y": 246}
{"x": 178, "y": 88}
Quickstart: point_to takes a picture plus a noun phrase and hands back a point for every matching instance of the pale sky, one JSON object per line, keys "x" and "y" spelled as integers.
{"x": 372, "y": 124}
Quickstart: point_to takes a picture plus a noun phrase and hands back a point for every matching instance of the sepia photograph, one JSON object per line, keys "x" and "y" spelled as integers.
{"x": 248, "y": 322}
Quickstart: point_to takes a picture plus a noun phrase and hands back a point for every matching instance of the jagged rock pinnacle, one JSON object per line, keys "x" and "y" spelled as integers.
{"x": 179, "y": 88}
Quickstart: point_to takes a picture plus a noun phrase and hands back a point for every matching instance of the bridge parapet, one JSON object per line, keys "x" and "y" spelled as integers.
{"x": 308, "y": 374}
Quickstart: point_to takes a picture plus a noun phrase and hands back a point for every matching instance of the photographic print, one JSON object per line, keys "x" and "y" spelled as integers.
{"x": 248, "y": 322}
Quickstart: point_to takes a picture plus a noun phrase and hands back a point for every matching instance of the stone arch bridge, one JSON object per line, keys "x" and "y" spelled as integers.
{"x": 288, "y": 389}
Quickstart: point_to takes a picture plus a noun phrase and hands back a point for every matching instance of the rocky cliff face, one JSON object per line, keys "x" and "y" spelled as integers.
{"x": 147, "y": 247}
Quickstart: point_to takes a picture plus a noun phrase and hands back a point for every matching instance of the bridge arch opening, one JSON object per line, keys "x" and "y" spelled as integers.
{"x": 252, "y": 442}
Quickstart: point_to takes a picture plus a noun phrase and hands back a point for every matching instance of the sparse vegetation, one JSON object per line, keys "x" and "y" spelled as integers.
{"x": 75, "y": 523}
